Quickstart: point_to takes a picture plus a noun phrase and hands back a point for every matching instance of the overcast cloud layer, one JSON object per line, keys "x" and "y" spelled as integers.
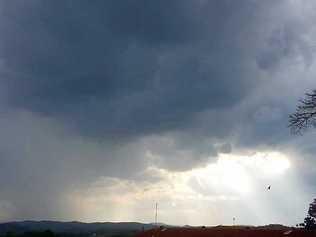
{"x": 103, "y": 103}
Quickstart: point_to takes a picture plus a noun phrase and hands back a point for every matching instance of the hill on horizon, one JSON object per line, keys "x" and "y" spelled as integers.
{"x": 73, "y": 227}
{"x": 76, "y": 227}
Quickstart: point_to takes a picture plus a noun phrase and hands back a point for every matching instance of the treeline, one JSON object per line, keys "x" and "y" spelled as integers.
{"x": 49, "y": 233}
{"x": 46, "y": 233}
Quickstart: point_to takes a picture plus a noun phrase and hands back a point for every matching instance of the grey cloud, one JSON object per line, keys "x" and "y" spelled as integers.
{"x": 225, "y": 148}
{"x": 101, "y": 85}
{"x": 286, "y": 44}
{"x": 114, "y": 69}
{"x": 43, "y": 163}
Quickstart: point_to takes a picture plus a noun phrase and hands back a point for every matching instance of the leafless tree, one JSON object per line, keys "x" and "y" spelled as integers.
{"x": 304, "y": 117}
{"x": 305, "y": 114}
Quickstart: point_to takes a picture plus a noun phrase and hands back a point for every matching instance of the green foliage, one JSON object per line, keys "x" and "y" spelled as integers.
{"x": 10, "y": 234}
{"x": 46, "y": 233}
{"x": 98, "y": 233}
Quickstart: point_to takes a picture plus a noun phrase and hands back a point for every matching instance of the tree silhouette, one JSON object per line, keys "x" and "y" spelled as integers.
{"x": 305, "y": 114}
{"x": 312, "y": 209}
{"x": 309, "y": 223}
{"x": 310, "y": 220}
{"x": 303, "y": 118}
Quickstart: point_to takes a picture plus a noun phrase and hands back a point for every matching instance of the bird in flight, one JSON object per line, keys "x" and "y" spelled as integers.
{"x": 269, "y": 187}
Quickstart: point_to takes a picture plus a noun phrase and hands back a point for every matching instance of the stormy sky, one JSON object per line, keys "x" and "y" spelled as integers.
{"x": 107, "y": 107}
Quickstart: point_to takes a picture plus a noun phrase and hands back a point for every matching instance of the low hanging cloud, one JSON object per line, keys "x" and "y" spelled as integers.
{"x": 131, "y": 68}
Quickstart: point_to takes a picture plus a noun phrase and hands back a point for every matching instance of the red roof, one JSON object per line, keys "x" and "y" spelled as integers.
{"x": 224, "y": 232}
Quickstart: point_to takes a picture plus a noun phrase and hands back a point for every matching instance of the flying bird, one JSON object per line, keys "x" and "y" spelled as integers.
{"x": 269, "y": 187}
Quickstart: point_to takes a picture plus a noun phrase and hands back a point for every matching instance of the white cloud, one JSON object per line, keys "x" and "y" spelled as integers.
{"x": 187, "y": 197}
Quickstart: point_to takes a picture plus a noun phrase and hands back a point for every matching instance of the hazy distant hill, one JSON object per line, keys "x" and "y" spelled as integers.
{"x": 71, "y": 227}
{"x": 103, "y": 228}
{"x": 265, "y": 227}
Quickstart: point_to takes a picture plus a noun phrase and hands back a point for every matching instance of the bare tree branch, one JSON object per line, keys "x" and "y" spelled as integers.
{"x": 305, "y": 114}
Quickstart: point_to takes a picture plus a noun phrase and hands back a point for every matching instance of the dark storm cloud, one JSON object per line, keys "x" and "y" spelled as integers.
{"x": 164, "y": 84}
{"x": 285, "y": 43}
{"x": 113, "y": 68}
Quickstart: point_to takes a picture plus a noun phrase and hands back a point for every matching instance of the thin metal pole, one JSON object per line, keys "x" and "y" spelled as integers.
{"x": 156, "y": 214}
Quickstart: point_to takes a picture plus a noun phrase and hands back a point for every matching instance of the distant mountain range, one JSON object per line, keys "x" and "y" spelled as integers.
{"x": 72, "y": 227}
{"x": 75, "y": 227}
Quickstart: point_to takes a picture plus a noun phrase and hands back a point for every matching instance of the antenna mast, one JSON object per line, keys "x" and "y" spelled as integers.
{"x": 156, "y": 214}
